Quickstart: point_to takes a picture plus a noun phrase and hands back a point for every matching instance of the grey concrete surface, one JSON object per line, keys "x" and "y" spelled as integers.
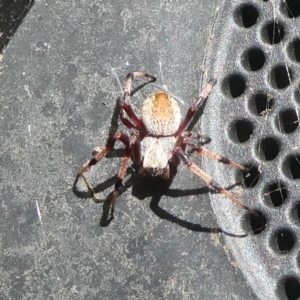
{"x": 58, "y": 98}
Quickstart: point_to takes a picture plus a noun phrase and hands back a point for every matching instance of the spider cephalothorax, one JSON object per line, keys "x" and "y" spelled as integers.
{"x": 159, "y": 139}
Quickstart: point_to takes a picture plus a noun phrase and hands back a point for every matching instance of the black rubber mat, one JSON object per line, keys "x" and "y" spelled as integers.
{"x": 253, "y": 115}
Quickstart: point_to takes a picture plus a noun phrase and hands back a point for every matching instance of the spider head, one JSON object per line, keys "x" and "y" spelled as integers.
{"x": 155, "y": 164}
{"x": 154, "y": 172}
{"x": 156, "y": 153}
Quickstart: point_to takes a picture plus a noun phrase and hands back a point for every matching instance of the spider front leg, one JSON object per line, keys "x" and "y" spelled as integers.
{"x": 186, "y": 140}
{"x": 118, "y": 136}
{"x": 194, "y": 108}
{"x": 126, "y": 105}
{"x": 209, "y": 181}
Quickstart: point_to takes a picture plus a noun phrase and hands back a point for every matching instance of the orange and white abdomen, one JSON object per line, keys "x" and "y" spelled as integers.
{"x": 161, "y": 114}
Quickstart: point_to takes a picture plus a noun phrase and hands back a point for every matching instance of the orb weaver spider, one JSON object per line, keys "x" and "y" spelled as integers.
{"x": 158, "y": 140}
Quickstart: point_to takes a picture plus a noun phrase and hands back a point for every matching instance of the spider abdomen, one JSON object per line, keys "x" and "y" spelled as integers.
{"x": 161, "y": 114}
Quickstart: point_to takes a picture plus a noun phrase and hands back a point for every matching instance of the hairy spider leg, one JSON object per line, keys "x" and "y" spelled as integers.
{"x": 210, "y": 182}
{"x": 125, "y": 121}
{"x": 134, "y": 144}
{"x": 188, "y": 137}
{"x": 219, "y": 158}
{"x": 194, "y": 108}
{"x": 125, "y": 102}
{"x": 119, "y": 182}
{"x": 203, "y": 151}
{"x": 118, "y": 136}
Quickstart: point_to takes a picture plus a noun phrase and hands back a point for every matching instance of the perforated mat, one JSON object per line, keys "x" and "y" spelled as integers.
{"x": 254, "y": 118}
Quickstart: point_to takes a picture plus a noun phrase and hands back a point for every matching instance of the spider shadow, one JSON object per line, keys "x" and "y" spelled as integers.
{"x": 156, "y": 188}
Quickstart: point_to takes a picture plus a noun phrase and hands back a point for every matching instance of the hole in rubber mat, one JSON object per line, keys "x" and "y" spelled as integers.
{"x": 293, "y": 50}
{"x": 297, "y": 94}
{"x": 282, "y": 241}
{"x": 291, "y": 166}
{"x": 253, "y": 59}
{"x": 289, "y": 288}
{"x": 295, "y": 214}
{"x": 288, "y": 120}
{"x": 281, "y": 77}
{"x": 268, "y": 148}
{"x": 251, "y": 177}
{"x": 273, "y": 33}
{"x": 261, "y": 104}
{"x": 291, "y": 8}
{"x": 234, "y": 85}
{"x": 255, "y": 224}
{"x": 246, "y": 15}
{"x": 275, "y": 194}
{"x": 240, "y": 131}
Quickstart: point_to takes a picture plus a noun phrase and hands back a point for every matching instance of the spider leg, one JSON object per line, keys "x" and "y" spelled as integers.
{"x": 188, "y": 137}
{"x": 210, "y": 182}
{"x": 108, "y": 147}
{"x": 194, "y": 108}
{"x": 136, "y": 149}
{"x": 119, "y": 182}
{"x": 125, "y": 102}
{"x": 219, "y": 158}
{"x": 125, "y": 121}
{"x": 203, "y": 151}
{"x": 91, "y": 190}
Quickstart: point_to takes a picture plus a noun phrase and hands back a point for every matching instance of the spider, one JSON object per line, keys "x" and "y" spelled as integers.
{"x": 158, "y": 139}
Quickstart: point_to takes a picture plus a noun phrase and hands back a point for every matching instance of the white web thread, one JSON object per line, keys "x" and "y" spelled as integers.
{"x": 163, "y": 87}
{"x": 37, "y": 206}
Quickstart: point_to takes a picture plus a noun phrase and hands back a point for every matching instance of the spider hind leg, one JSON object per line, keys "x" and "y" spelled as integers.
{"x": 210, "y": 182}
{"x": 219, "y": 158}
{"x": 118, "y": 136}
